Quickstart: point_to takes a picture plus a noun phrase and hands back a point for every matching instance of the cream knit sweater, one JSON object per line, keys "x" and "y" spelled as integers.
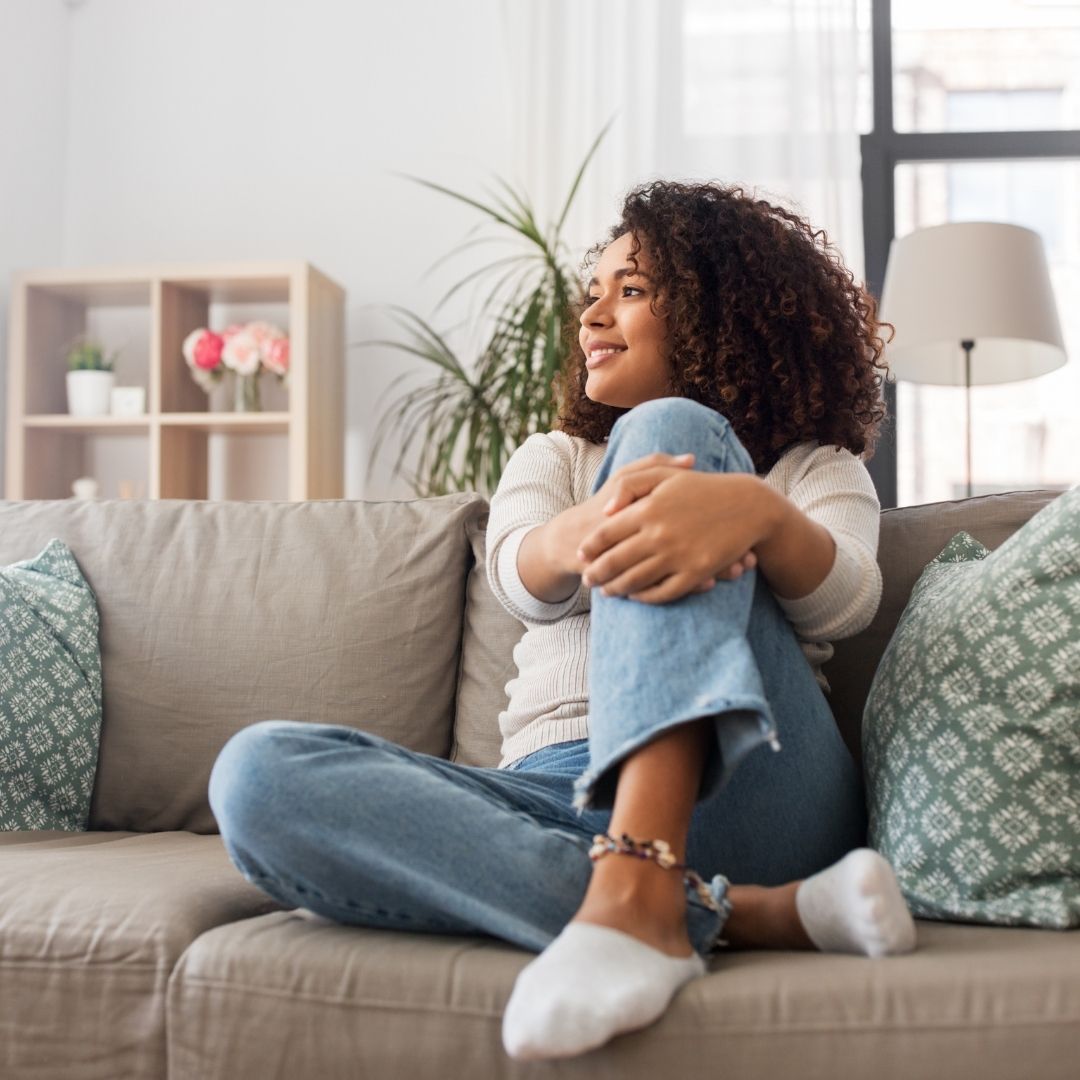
{"x": 549, "y": 698}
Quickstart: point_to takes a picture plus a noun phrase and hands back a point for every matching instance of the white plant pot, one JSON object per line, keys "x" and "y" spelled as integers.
{"x": 89, "y": 392}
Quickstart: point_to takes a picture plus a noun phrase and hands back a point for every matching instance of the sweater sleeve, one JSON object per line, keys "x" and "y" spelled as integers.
{"x": 836, "y": 491}
{"x": 536, "y": 486}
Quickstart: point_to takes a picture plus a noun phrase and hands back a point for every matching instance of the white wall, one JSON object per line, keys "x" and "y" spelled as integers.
{"x": 33, "y": 119}
{"x": 233, "y": 129}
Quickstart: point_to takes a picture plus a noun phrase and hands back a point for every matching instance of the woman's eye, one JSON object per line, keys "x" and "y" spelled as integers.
{"x": 627, "y": 290}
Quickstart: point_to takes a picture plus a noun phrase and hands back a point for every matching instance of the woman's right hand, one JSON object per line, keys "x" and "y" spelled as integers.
{"x": 547, "y": 560}
{"x": 648, "y": 472}
{"x": 582, "y": 519}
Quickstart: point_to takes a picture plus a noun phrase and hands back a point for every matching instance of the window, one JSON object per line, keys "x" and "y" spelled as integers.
{"x": 977, "y": 117}
{"x": 1006, "y": 59}
{"x": 1024, "y": 434}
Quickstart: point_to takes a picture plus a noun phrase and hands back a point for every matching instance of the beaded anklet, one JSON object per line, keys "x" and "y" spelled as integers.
{"x": 657, "y": 850}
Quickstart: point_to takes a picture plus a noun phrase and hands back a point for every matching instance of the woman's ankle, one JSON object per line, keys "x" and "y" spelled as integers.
{"x": 669, "y": 937}
{"x": 765, "y": 918}
{"x": 641, "y": 899}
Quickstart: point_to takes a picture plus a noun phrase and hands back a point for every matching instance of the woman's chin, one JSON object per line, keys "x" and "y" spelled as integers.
{"x": 614, "y": 401}
{"x": 603, "y": 401}
{"x": 597, "y": 394}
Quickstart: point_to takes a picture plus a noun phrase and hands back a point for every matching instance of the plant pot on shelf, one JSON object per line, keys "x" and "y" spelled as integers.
{"x": 89, "y": 392}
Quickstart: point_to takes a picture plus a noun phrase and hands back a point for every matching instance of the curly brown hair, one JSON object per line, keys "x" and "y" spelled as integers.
{"x": 767, "y": 325}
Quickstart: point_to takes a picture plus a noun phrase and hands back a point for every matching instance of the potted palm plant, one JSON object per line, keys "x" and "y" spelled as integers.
{"x": 90, "y": 378}
{"x": 470, "y": 417}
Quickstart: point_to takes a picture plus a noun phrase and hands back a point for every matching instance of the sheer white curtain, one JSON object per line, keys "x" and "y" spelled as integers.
{"x": 572, "y": 66}
{"x": 759, "y": 92}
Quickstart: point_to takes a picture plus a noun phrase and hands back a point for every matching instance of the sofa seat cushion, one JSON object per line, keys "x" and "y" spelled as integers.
{"x": 288, "y": 994}
{"x": 91, "y": 924}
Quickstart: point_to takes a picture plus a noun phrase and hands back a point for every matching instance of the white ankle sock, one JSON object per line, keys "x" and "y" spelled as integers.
{"x": 855, "y": 906}
{"x": 589, "y": 984}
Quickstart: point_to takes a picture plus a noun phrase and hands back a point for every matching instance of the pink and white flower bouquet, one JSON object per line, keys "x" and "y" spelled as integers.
{"x": 247, "y": 349}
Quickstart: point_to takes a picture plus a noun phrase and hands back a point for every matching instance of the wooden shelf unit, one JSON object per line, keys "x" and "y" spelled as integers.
{"x": 47, "y": 448}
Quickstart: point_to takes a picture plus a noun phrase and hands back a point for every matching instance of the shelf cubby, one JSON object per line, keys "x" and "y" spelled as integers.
{"x": 189, "y": 444}
{"x": 59, "y": 455}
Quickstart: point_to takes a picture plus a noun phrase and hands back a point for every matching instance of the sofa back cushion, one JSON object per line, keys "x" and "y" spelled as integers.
{"x": 487, "y": 663}
{"x": 215, "y": 615}
{"x": 910, "y": 537}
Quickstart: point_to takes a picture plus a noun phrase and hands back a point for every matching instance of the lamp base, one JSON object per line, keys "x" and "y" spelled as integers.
{"x": 967, "y": 345}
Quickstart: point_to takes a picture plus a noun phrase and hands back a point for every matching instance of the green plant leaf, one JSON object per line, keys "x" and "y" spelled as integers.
{"x": 580, "y": 173}
{"x": 489, "y": 268}
{"x": 468, "y": 200}
{"x": 468, "y": 245}
{"x": 467, "y": 419}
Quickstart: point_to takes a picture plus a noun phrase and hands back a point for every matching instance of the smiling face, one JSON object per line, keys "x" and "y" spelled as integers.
{"x": 625, "y": 342}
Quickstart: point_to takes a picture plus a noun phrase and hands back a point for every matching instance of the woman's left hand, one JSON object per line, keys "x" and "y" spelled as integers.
{"x": 691, "y": 530}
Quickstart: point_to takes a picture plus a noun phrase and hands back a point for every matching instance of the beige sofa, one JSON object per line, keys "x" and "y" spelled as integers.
{"x": 136, "y": 950}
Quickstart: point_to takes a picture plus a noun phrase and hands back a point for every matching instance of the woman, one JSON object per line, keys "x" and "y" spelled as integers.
{"x": 678, "y": 610}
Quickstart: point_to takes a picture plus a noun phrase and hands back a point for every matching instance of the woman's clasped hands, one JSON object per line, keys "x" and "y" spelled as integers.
{"x": 666, "y": 531}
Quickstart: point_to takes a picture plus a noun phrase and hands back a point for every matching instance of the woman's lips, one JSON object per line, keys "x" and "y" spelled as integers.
{"x": 600, "y": 357}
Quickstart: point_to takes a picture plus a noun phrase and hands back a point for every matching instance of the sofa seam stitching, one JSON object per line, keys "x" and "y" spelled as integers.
{"x": 184, "y": 981}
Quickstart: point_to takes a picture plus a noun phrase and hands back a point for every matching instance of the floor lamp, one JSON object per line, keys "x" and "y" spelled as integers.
{"x": 972, "y": 305}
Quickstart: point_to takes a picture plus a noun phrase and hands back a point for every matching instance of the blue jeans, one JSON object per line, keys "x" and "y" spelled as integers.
{"x": 364, "y": 831}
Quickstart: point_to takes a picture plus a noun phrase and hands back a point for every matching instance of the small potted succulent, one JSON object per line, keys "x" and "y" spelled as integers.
{"x": 90, "y": 378}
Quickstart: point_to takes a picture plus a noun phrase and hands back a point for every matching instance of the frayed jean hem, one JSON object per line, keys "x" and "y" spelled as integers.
{"x": 731, "y": 751}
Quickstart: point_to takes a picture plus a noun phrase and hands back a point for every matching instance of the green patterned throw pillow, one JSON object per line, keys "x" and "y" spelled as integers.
{"x": 971, "y": 733}
{"x": 50, "y": 693}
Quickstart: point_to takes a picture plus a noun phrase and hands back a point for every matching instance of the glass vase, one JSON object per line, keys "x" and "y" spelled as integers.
{"x": 246, "y": 394}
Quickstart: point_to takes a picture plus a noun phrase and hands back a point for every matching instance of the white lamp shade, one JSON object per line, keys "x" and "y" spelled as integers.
{"x": 981, "y": 281}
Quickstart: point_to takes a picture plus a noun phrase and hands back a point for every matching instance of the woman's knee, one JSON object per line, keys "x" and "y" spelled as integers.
{"x": 672, "y": 414}
{"x": 246, "y": 770}
{"x": 267, "y": 768}
{"x": 677, "y": 425}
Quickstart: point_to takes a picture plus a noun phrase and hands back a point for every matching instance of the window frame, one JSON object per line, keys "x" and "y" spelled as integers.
{"x": 883, "y": 148}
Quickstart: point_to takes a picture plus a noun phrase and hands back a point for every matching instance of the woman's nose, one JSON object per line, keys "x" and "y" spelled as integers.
{"x": 596, "y": 314}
